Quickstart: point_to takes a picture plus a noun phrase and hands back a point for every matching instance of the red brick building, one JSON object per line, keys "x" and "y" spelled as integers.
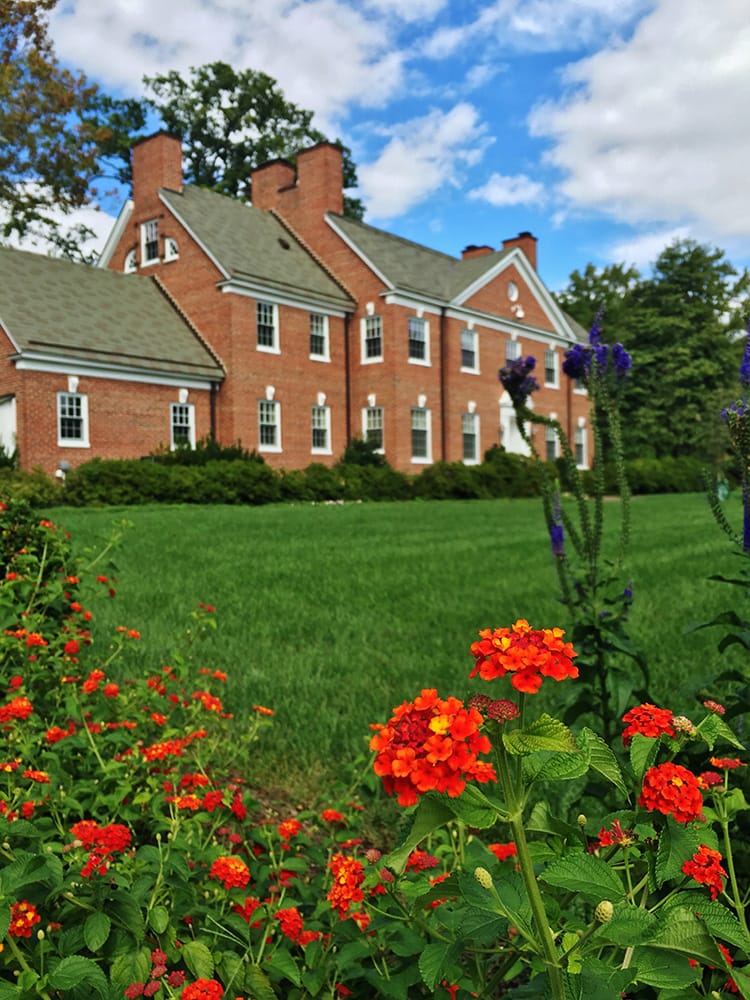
{"x": 321, "y": 328}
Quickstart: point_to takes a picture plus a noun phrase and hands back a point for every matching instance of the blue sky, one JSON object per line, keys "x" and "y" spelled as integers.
{"x": 605, "y": 127}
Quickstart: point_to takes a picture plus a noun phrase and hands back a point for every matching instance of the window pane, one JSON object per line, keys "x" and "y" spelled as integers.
{"x": 580, "y": 440}
{"x": 265, "y": 320}
{"x": 180, "y": 424}
{"x": 419, "y": 433}
{"x": 374, "y": 431}
{"x": 417, "y": 339}
{"x": 512, "y": 350}
{"x": 550, "y": 440}
{"x": 550, "y": 367}
{"x": 469, "y": 432}
{"x": 319, "y": 427}
{"x": 318, "y": 335}
{"x": 468, "y": 349}
{"x": 268, "y": 422}
{"x": 373, "y": 337}
{"x": 71, "y": 417}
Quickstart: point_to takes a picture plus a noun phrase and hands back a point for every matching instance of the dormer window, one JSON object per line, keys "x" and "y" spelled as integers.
{"x": 131, "y": 264}
{"x": 149, "y": 242}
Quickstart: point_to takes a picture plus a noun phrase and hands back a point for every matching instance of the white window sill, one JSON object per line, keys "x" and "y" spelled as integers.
{"x": 271, "y": 448}
{"x": 372, "y": 361}
{"x": 320, "y": 357}
{"x": 420, "y": 361}
{"x": 321, "y": 451}
{"x": 470, "y": 461}
{"x": 421, "y": 461}
{"x": 580, "y": 392}
{"x": 470, "y": 371}
{"x": 267, "y": 350}
{"x": 148, "y": 263}
{"x": 68, "y": 443}
{"x": 551, "y": 385}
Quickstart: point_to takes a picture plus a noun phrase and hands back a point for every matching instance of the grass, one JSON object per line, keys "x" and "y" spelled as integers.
{"x": 331, "y": 615}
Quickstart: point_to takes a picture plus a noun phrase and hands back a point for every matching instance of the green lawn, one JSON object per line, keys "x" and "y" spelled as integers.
{"x": 333, "y": 614}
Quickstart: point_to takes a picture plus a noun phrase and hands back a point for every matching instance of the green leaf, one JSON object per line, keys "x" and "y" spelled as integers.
{"x": 642, "y": 754}
{"x": 677, "y": 844}
{"x": 545, "y": 733}
{"x": 602, "y": 759}
{"x": 714, "y": 728}
{"x": 555, "y": 766}
{"x": 133, "y": 967}
{"x": 723, "y": 924}
{"x": 158, "y": 919}
{"x": 283, "y": 963}
{"x": 258, "y": 984}
{"x": 587, "y": 875}
{"x": 630, "y": 925}
{"x": 682, "y": 931}
{"x": 663, "y": 970}
{"x": 432, "y": 962}
{"x": 96, "y": 930}
{"x": 599, "y": 981}
{"x": 9, "y": 991}
{"x": 474, "y": 808}
{"x": 431, "y": 813}
{"x": 198, "y": 958}
{"x": 75, "y": 970}
{"x": 542, "y": 821}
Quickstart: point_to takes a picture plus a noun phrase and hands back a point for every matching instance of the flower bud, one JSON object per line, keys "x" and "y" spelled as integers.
{"x": 603, "y": 912}
{"x": 483, "y": 877}
{"x": 582, "y": 821}
{"x": 40, "y": 935}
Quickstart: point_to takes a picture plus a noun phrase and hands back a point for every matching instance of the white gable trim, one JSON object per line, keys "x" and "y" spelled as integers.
{"x": 9, "y": 335}
{"x": 512, "y": 327}
{"x": 90, "y": 369}
{"x": 355, "y": 249}
{"x": 535, "y": 285}
{"x": 115, "y": 235}
{"x": 214, "y": 260}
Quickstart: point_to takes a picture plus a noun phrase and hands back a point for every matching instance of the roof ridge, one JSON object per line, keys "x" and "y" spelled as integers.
{"x": 315, "y": 256}
{"x": 401, "y": 239}
{"x": 181, "y": 312}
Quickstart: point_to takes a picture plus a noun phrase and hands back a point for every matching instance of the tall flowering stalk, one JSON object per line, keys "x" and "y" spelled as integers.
{"x": 597, "y": 599}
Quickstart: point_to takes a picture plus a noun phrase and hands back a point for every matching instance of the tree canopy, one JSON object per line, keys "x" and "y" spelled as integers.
{"x": 680, "y": 324}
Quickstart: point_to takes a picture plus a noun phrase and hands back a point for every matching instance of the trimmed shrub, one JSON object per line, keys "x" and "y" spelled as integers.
{"x": 363, "y": 482}
{"x": 36, "y": 488}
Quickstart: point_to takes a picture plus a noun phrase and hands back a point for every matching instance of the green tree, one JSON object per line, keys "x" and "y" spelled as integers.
{"x": 231, "y": 122}
{"x": 680, "y": 325}
{"x": 50, "y": 145}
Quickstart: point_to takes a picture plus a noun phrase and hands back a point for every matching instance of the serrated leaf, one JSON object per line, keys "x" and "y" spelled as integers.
{"x": 474, "y": 808}
{"x": 283, "y": 963}
{"x": 431, "y": 813}
{"x": 74, "y": 970}
{"x": 96, "y": 930}
{"x": 630, "y": 925}
{"x": 723, "y": 924}
{"x": 133, "y": 967}
{"x": 545, "y": 733}
{"x": 642, "y": 754}
{"x": 198, "y": 958}
{"x": 602, "y": 759}
{"x": 677, "y": 844}
{"x": 9, "y": 991}
{"x": 432, "y": 962}
{"x": 662, "y": 969}
{"x": 682, "y": 931}
{"x": 555, "y": 766}
{"x": 158, "y": 919}
{"x": 587, "y": 875}
{"x": 258, "y": 984}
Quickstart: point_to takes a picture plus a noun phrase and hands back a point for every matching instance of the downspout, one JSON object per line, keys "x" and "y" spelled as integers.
{"x": 212, "y": 410}
{"x": 443, "y": 421}
{"x": 347, "y": 378}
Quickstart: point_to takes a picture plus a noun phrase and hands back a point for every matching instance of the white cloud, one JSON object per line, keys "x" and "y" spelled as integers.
{"x": 653, "y": 129}
{"x": 407, "y": 10}
{"x": 90, "y": 216}
{"x": 422, "y": 156}
{"x": 501, "y": 190}
{"x": 324, "y": 53}
{"x": 641, "y": 251}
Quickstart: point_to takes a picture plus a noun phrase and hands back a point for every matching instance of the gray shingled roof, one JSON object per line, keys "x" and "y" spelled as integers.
{"x": 251, "y": 244}
{"x": 415, "y": 268}
{"x": 87, "y": 314}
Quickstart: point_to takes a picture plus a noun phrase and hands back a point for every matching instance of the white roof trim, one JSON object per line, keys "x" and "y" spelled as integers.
{"x": 115, "y": 234}
{"x": 214, "y": 260}
{"x": 6, "y": 330}
{"x": 534, "y": 283}
{"x": 256, "y": 290}
{"x": 91, "y": 369}
{"x": 355, "y": 249}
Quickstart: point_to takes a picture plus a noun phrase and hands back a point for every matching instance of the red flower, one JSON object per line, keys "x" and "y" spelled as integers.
{"x": 36, "y": 639}
{"x": 333, "y": 816}
{"x": 291, "y": 922}
{"x": 528, "y": 654}
{"x": 348, "y": 876}
{"x": 71, "y": 647}
{"x": 91, "y": 683}
{"x": 419, "y": 861}
{"x": 17, "y": 708}
{"x": 727, "y": 763}
{"x": 54, "y": 734}
{"x": 262, "y": 710}
{"x": 648, "y": 720}
{"x": 23, "y": 916}
{"x": 672, "y": 790}
{"x": 289, "y": 828}
{"x": 503, "y": 851}
{"x": 203, "y": 989}
{"x": 248, "y": 908}
{"x": 230, "y": 871}
{"x": 40, "y": 776}
{"x": 430, "y": 744}
{"x": 615, "y": 836}
{"x": 705, "y": 868}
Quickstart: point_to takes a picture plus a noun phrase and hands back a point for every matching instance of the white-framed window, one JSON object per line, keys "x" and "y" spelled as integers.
{"x": 182, "y": 421}
{"x": 372, "y": 339}
{"x": 550, "y": 444}
{"x": 512, "y": 350}
{"x": 320, "y": 423}
{"x": 372, "y": 426}
{"x": 550, "y": 368}
{"x": 469, "y": 351}
{"x": 421, "y": 443}
{"x": 470, "y": 437}
{"x": 269, "y": 425}
{"x": 267, "y": 326}
{"x": 319, "y": 347}
{"x": 150, "y": 241}
{"x": 171, "y": 250}
{"x": 131, "y": 264}
{"x": 419, "y": 341}
{"x": 72, "y": 420}
{"x": 580, "y": 447}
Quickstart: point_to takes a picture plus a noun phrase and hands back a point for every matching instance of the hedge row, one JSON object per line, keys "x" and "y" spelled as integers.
{"x": 102, "y": 482}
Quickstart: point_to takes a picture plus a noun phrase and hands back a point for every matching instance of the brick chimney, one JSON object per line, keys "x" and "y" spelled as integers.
{"x": 269, "y": 182}
{"x": 526, "y": 242}
{"x": 302, "y": 198}
{"x": 157, "y": 163}
{"x": 474, "y": 251}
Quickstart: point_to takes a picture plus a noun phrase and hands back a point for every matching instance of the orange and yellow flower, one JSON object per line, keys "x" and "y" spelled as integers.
{"x": 672, "y": 790}
{"x": 705, "y": 868}
{"x": 348, "y": 876}
{"x": 648, "y": 720}
{"x": 528, "y": 655}
{"x": 230, "y": 871}
{"x": 430, "y": 744}
{"x": 23, "y": 916}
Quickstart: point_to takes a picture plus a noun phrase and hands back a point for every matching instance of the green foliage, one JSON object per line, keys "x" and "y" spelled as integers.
{"x": 206, "y": 450}
{"x": 362, "y": 452}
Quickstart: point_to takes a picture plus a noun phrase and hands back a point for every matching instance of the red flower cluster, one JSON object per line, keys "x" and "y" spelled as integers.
{"x": 672, "y": 790}
{"x": 430, "y": 744}
{"x": 231, "y": 871}
{"x": 648, "y": 720}
{"x": 705, "y": 867}
{"x": 333, "y": 816}
{"x": 17, "y": 708}
{"x": 727, "y": 763}
{"x": 288, "y": 828}
{"x": 348, "y": 876}
{"x": 526, "y": 653}
{"x": 101, "y": 841}
{"x": 503, "y": 851}
{"x": 293, "y": 927}
{"x": 23, "y": 916}
{"x": 615, "y": 836}
{"x": 203, "y": 989}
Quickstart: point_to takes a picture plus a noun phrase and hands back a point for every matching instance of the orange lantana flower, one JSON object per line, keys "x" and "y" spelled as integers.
{"x": 527, "y": 654}
{"x": 348, "y": 876}
{"x": 430, "y": 744}
{"x": 672, "y": 790}
{"x": 705, "y": 867}
{"x": 231, "y": 871}
{"x": 648, "y": 720}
